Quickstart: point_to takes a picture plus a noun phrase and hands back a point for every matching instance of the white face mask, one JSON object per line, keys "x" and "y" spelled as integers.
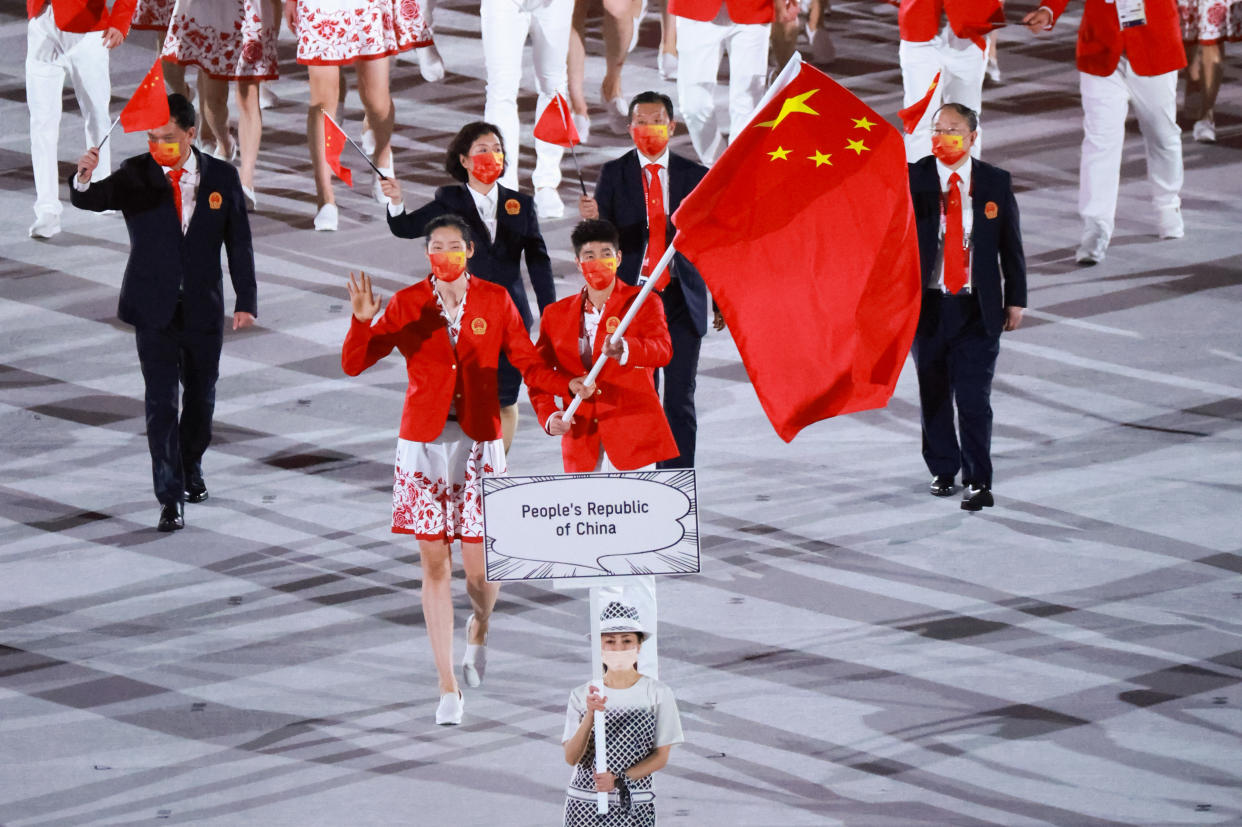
{"x": 621, "y": 660}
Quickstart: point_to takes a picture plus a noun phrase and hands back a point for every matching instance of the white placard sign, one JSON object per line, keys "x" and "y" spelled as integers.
{"x": 591, "y": 525}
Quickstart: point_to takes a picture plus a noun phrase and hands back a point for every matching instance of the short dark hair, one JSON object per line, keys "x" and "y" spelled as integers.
{"x": 971, "y": 116}
{"x": 594, "y": 229}
{"x": 448, "y": 220}
{"x": 460, "y": 145}
{"x": 181, "y": 110}
{"x": 652, "y": 97}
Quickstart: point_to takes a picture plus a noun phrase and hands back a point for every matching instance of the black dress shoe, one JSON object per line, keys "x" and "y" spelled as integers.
{"x": 941, "y": 485}
{"x": 976, "y": 498}
{"x": 172, "y": 517}
{"x": 195, "y": 490}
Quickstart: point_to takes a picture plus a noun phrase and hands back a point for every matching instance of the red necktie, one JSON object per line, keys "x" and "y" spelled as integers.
{"x": 954, "y": 246}
{"x": 655, "y": 226}
{"x": 174, "y": 178}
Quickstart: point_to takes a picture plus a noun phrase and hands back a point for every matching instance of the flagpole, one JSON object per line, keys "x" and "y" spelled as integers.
{"x": 365, "y": 157}
{"x": 573, "y": 152}
{"x": 648, "y": 286}
{"x": 108, "y": 134}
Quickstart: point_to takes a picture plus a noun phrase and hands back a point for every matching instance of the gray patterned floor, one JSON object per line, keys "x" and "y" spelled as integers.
{"x": 855, "y": 652}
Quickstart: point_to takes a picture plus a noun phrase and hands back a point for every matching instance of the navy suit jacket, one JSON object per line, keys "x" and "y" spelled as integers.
{"x": 996, "y": 242}
{"x": 166, "y": 266}
{"x": 499, "y": 259}
{"x": 620, "y": 195}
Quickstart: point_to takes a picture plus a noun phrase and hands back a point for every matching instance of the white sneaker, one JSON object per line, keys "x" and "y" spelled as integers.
{"x": 667, "y": 64}
{"x": 474, "y": 664}
{"x": 993, "y": 71}
{"x": 267, "y": 98}
{"x": 46, "y": 225}
{"x": 376, "y": 191}
{"x": 326, "y": 218}
{"x": 1169, "y": 223}
{"x": 618, "y": 113}
{"x": 582, "y": 123}
{"x": 548, "y": 203}
{"x": 638, "y": 21}
{"x": 367, "y": 143}
{"x": 252, "y": 201}
{"x": 448, "y": 712}
{"x": 1093, "y": 247}
{"x": 430, "y": 64}
{"x": 219, "y": 152}
{"x": 1205, "y": 131}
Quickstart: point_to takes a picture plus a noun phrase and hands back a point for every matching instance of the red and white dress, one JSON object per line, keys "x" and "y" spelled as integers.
{"x": 1210, "y": 21}
{"x": 337, "y": 32}
{"x": 153, "y": 15}
{"x": 227, "y": 39}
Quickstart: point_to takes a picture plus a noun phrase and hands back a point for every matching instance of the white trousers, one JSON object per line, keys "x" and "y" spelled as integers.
{"x": 506, "y": 23}
{"x": 961, "y": 65}
{"x": 50, "y": 53}
{"x": 699, "y": 45}
{"x": 1104, "y": 105}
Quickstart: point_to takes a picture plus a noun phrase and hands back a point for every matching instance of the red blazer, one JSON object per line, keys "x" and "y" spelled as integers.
{"x": 1152, "y": 49}
{"x": 440, "y": 376}
{"x": 740, "y": 11}
{"x": 80, "y": 16}
{"x": 625, "y": 416}
{"x": 918, "y": 21}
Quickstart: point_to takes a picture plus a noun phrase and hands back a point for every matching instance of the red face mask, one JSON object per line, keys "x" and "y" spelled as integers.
{"x": 448, "y": 266}
{"x": 650, "y": 138}
{"x": 948, "y": 148}
{"x": 165, "y": 153}
{"x": 487, "y": 166}
{"x": 599, "y": 272}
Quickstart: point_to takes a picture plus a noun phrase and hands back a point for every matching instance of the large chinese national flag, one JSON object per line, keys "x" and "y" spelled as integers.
{"x": 148, "y": 108}
{"x": 804, "y": 233}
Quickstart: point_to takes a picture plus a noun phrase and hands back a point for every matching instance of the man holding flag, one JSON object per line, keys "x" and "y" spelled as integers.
{"x": 74, "y": 37}
{"x": 180, "y": 206}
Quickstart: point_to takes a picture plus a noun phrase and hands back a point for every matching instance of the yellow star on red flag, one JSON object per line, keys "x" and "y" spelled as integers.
{"x": 858, "y": 147}
{"x": 779, "y": 154}
{"x": 820, "y": 159}
{"x": 862, "y": 123}
{"x": 790, "y": 106}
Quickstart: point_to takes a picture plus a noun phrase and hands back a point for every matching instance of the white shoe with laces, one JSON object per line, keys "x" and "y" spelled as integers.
{"x": 474, "y": 664}
{"x": 548, "y": 203}
{"x": 450, "y": 708}
{"x": 326, "y": 219}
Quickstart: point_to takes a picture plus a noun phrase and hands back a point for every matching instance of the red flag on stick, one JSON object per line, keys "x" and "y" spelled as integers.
{"x": 556, "y": 125}
{"x": 333, "y": 145}
{"x": 974, "y": 19}
{"x": 804, "y": 233}
{"x": 912, "y": 114}
{"x": 148, "y": 108}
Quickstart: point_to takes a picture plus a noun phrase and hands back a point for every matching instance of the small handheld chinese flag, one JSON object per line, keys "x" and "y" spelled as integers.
{"x": 804, "y": 233}
{"x": 912, "y": 114}
{"x": 556, "y": 126}
{"x": 974, "y": 19}
{"x": 333, "y": 146}
{"x": 148, "y": 108}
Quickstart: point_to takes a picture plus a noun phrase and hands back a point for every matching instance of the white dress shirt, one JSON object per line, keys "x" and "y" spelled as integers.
{"x": 485, "y": 203}
{"x": 968, "y": 212}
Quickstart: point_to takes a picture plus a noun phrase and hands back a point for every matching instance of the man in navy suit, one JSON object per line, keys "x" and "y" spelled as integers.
{"x": 505, "y": 228}
{"x": 627, "y": 194}
{"x": 180, "y": 207}
{"x": 974, "y": 286}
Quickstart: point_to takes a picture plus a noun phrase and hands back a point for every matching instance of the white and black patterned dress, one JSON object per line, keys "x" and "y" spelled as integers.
{"x": 638, "y": 720}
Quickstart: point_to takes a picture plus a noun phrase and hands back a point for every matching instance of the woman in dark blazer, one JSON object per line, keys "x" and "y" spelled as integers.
{"x": 505, "y": 229}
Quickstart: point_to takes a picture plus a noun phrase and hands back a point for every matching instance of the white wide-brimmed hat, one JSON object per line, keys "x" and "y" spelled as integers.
{"x": 618, "y": 617}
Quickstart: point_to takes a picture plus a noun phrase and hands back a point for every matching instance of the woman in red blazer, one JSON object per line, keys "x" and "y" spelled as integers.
{"x": 451, "y": 329}
{"x": 622, "y": 426}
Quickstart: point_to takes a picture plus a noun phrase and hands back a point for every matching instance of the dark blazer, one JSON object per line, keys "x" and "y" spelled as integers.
{"x": 499, "y": 259}
{"x": 165, "y": 266}
{"x": 619, "y": 193}
{"x": 996, "y": 242}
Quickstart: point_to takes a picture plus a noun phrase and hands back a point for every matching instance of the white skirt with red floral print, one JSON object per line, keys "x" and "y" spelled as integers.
{"x": 336, "y": 32}
{"x": 152, "y": 15}
{"x": 227, "y": 39}
{"x": 1211, "y": 21}
{"x": 437, "y": 491}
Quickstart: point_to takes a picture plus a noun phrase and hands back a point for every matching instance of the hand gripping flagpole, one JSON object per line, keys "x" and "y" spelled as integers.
{"x": 365, "y": 157}
{"x": 660, "y": 267}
